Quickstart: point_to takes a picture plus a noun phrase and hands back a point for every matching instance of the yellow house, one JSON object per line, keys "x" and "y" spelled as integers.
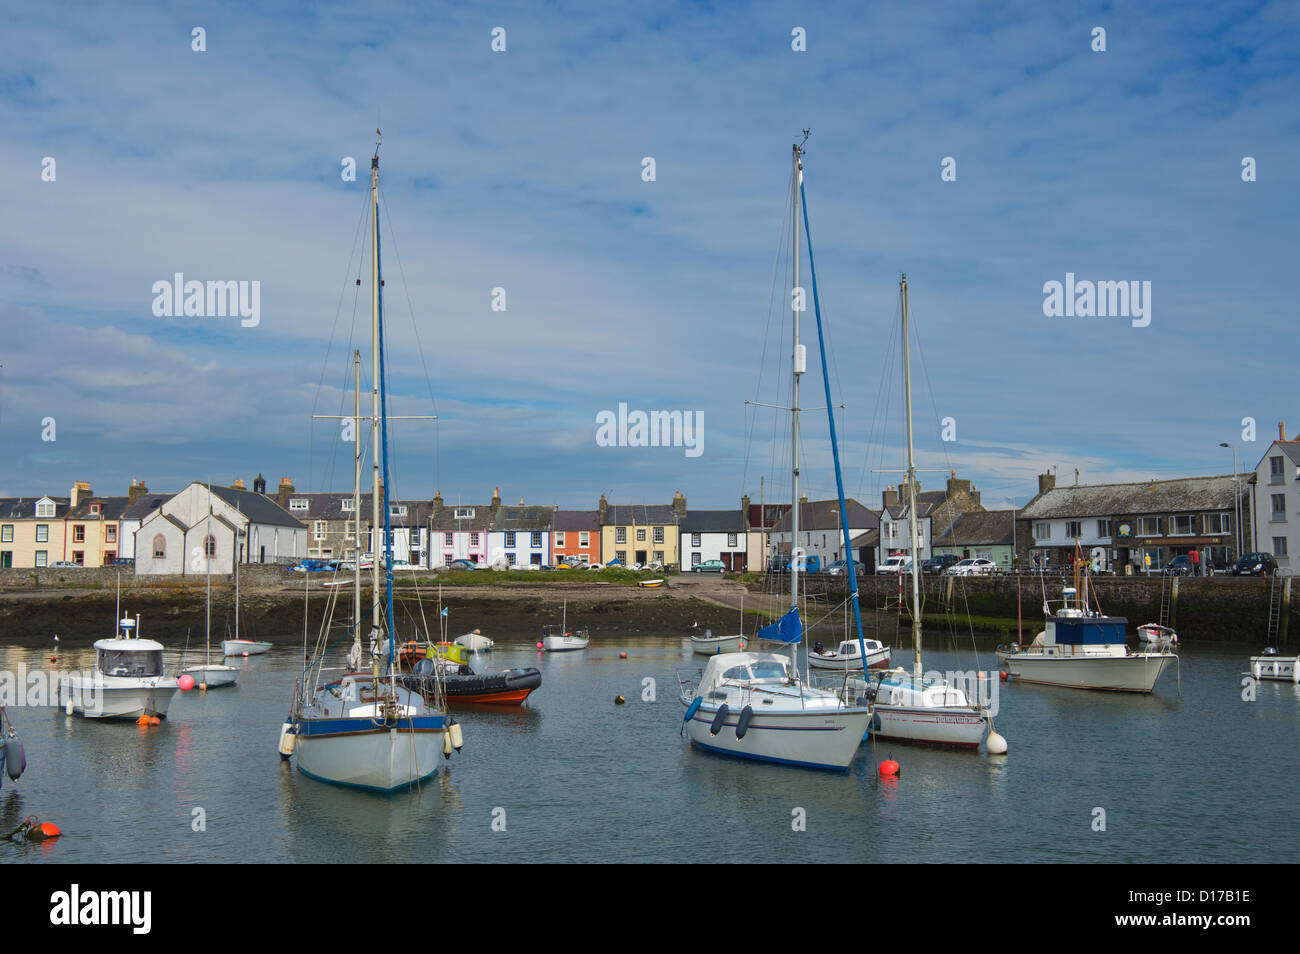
{"x": 32, "y": 531}
{"x": 641, "y": 533}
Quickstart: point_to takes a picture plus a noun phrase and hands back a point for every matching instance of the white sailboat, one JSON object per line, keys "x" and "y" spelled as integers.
{"x": 212, "y": 675}
{"x": 755, "y": 705}
{"x": 560, "y": 639}
{"x": 909, "y": 707}
{"x": 364, "y": 729}
{"x": 237, "y": 646}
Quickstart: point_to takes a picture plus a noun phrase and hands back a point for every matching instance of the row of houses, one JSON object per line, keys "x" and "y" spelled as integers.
{"x": 1139, "y": 525}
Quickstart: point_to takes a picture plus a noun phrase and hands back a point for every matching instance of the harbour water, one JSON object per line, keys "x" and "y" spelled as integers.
{"x": 572, "y": 776}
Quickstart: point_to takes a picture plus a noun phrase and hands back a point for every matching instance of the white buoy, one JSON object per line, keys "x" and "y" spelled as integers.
{"x": 1256, "y": 671}
{"x": 1295, "y": 670}
{"x": 446, "y": 744}
{"x": 288, "y": 738}
{"x": 996, "y": 744}
{"x": 457, "y": 738}
{"x": 67, "y": 706}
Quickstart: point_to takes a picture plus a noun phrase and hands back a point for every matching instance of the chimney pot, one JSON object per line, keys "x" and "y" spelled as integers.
{"x": 1281, "y": 430}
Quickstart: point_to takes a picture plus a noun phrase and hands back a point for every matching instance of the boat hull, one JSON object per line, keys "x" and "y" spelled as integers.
{"x": 1136, "y": 672}
{"x": 960, "y": 728}
{"x": 712, "y": 645}
{"x": 818, "y": 739}
{"x": 244, "y": 647}
{"x": 1281, "y": 668}
{"x": 101, "y": 698}
{"x": 563, "y": 644}
{"x": 375, "y": 758}
{"x": 214, "y": 676}
{"x": 875, "y": 660}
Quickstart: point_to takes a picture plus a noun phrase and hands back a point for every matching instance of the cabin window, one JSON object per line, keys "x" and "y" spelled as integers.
{"x": 160, "y": 547}
{"x": 130, "y": 662}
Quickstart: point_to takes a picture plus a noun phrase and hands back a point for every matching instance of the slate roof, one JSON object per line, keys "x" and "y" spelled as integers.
{"x": 527, "y": 517}
{"x": 566, "y": 520}
{"x": 445, "y": 519}
{"x": 146, "y": 504}
{"x": 868, "y": 539}
{"x": 19, "y": 508}
{"x": 1290, "y": 448}
{"x": 641, "y": 515}
{"x": 983, "y": 528}
{"x": 1187, "y": 494}
{"x": 825, "y": 515}
{"x": 713, "y": 521}
{"x": 110, "y": 508}
{"x": 258, "y": 508}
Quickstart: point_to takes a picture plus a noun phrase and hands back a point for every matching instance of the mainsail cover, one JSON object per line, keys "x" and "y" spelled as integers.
{"x": 788, "y": 629}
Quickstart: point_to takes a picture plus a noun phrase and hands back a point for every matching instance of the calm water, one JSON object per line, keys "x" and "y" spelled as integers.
{"x": 1207, "y": 777}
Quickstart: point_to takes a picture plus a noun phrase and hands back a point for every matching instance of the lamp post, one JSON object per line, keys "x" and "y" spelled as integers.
{"x": 1236, "y": 499}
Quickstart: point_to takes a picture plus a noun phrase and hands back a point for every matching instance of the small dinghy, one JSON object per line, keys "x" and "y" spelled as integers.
{"x": 475, "y": 642}
{"x": 243, "y": 647}
{"x": 1153, "y": 634}
{"x": 849, "y": 656}
{"x": 710, "y": 645}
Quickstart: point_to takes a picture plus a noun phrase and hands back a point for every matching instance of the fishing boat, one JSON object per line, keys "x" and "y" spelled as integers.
{"x": 212, "y": 675}
{"x": 912, "y": 708}
{"x": 755, "y": 705}
{"x": 128, "y": 681}
{"x": 848, "y": 656}
{"x": 364, "y": 729}
{"x": 1272, "y": 665}
{"x": 558, "y": 639}
{"x": 1079, "y": 648}
{"x": 710, "y": 645}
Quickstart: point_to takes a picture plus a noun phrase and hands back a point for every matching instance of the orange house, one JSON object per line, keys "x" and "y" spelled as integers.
{"x": 576, "y": 536}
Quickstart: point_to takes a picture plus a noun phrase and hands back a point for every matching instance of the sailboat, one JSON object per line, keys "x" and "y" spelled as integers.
{"x": 560, "y": 639}
{"x": 910, "y": 707}
{"x": 755, "y": 705}
{"x": 212, "y": 675}
{"x": 237, "y": 646}
{"x": 364, "y": 729}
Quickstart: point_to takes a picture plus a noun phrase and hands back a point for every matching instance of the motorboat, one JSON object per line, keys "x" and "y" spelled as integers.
{"x": 1272, "y": 665}
{"x": 848, "y": 656}
{"x": 1155, "y": 634}
{"x": 128, "y": 680}
{"x": 475, "y": 642}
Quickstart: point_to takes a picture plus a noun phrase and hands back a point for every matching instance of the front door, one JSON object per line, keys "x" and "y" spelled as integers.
{"x": 641, "y": 556}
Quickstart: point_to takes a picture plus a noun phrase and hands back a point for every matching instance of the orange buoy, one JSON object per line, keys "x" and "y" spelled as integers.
{"x": 47, "y": 830}
{"x": 1005, "y": 675}
{"x": 889, "y": 769}
{"x": 622, "y": 655}
{"x": 143, "y": 720}
{"x": 155, "y": 720}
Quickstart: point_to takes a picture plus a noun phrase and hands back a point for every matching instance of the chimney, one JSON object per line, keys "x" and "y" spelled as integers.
{"x": 282, "y": 494}
{"x": 679, "y": 503}
{"x": 890, "y": 497}
{"x": 259, "y": 484}
{"x": 437, "y": 501}
{"x": 496, "y": 499}
{"x": 744, "y": 512}
{"x": 1281, "y": 430}
{"x": 604, "y": 509}
{"x": 238, "y": 484}
{"x": 80, "y": 491}
{"x": 1046, "y": 482}
{"x": 135, "y": 491}
{"x": 956, "y": 486}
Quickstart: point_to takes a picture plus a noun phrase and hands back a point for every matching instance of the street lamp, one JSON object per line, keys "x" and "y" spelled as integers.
{"x": 1236, "y": 498}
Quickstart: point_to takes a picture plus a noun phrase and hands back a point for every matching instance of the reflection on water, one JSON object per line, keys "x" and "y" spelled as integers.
{"x": 576, "y": 777}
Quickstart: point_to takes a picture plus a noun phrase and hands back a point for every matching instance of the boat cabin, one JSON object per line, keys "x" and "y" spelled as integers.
{"x": 746, "y": 669}
{"x": 137, "y": 658}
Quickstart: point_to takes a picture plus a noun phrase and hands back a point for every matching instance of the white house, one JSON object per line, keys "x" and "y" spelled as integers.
{"x": 522, "y": 536}
{"x": 715, "y": 535}
{"x": 1276, "y": 500}
{"x": 199, "y": 530}
{"x": 820, "y": 533}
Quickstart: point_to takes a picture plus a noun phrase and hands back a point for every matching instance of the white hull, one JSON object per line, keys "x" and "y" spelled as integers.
{"x": 213, "y": 675}
{"x": 938, "y": 726}
{"x": 712, "y": 645}
{"x": 110, "y": 697}
{"x": 877, "y": 659}
{"x": 474, "y": 642}
{"x": 243, "y": 647}
{"x": 1284, "y": 668}
{"x": 827, "y": 739}
{"x": 562, "y": 644}
{"x": 383, "y": 759}
{"x": 1135, "y": 672}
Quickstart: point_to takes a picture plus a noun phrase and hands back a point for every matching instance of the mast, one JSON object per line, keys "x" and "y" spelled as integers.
{"x": 911, "y": 492}
{"x": 798, "y": 362}
{"x": 382, "y": 418}
{"x": 356, "y": 495}
{"x": 235, "y": 563}
{"x": 374, "y": 386}
{"x": 207, "y": 559}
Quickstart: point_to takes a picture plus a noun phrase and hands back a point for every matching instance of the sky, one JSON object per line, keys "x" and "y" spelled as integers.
{"x": 523, "y": 169}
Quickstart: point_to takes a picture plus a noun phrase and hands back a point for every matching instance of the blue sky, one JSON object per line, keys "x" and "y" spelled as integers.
{"x": 522, "y": 169}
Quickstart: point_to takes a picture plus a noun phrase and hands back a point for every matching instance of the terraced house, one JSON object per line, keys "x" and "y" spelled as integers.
{"x": 81, "y": 528}
{"x": 641, "y": 533}
{"x": 1275, "y": 486}
{"x": 522, "y": 536}
{"x": 936, "y": 511}
{"x": 575, "y": 535}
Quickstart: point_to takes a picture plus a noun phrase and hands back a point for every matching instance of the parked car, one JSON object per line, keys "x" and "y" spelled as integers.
{"x": 66, "y": 565}
{"x": 709, "y": 566}
{"x": 974, "y": 566}
{"x": 124, "y": 561}
{"x": 841, "y": 568}
{"x": 895, "y": 564}
{"x": 937, "y": 564}
{"x": 1180, "y": 565}
{"x": 461, "y": 565}
{"x": 1255, "y": 564}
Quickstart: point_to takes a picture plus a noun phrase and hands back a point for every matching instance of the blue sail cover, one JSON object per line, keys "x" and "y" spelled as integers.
{"x": 788, "y": 629}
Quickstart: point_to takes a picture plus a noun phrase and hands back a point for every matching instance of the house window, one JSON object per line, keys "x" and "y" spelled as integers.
{"x": 510, "y": 559}
{"x": 1218, "y": 523}
{"x": 94, "y": 510}
{"x": 1042, "y": 531}
{"x": 397, "y": 510}
{"x": 79, "y": 557}
{"x": 7, "y": 533}
{"x": 319, "y": 529}
{"x": 1182, "y": 525}
{"x": 659, "y": 555}
{"x": 1279, "y": 546}
{"x": 1275, "y": 472}
{"x": 893, "y": 531}
{"x": 6, "y": 559}
{"x": 696, "y": 559}
{"x": 640, "y": 536}
{"x": 620, "y": 535}
{"x": 473, "y": 539}
{"x": 210, "y": 546}
{"x": 464, "y": 513}
{"x": 1279, "y": 507}
{"x": 42, "y": 533}
{"x": 45, "y": 509}
{"x": 731, "y": 539}
{"x": 110, "y": 533}
{"x": 448, "y": 540}
{"x": 1103, "y": 529}
{"x": 559, "y": 539}
{"x": 584, "y": 538}
{"x": 1073, "y": 529}
{"x": 1149, "y": 526}
{"x": 78, "y": 533}
{"x": 537, "y": 539}
{"x": 110, "y": 556}
{"x": 42, "y": 557}
{"x": 659, "y": 535}
{"x": 299, "y": 503}
{"x": 695, "y": 539}
{"x": 159, "y": 547}
{"x": 510, "y": 539}
{"x": 346, "y": 504}
{"x": 620, "y": 555}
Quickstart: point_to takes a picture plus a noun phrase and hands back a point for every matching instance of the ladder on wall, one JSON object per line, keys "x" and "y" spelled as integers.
{"x": 1276, "y": 590}
{"x": 1166, "y": 597}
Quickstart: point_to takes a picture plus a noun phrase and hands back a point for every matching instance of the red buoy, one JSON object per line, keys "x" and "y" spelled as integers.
{"x": 889, "y": 769}
{"x": 622, "y": 655}
{"x": 1005, "y": 675}
{"x": 47, "y": 830}
{"x": 539, "y": 645}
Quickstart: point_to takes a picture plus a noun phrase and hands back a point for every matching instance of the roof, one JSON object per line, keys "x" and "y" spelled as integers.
{"x": 258, "y": 508}
{"x": 825, "y": 515}
{"x": 1152, "y": 496}
{"x": 868, "y": 539}
{"x": 639, "y": 515}
{"x": 576, "y": 520}
{"x": 20, "y": 508}
{"x": 1290, "y": 448}
{"x": 526, "y": 517}
{"x": 713, "y": 521}
{"x": 982, "y": 528}
{"x": 110, "y": 508}
{"x": 145, "y": 504}
{"x": 445, "y": 520}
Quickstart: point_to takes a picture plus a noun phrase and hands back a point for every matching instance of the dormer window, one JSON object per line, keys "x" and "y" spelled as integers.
{"x": 464, "y": 513}
{"x": 397, "y": 510}
{"x": 347, "y": 504}
{"x": 94, "y": 510}
{"x": 45, "y": 508}
{"x": 299, "y": 503}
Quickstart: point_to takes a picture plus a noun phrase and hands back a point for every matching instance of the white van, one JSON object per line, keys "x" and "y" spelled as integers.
{"x": 896, "y": 564}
